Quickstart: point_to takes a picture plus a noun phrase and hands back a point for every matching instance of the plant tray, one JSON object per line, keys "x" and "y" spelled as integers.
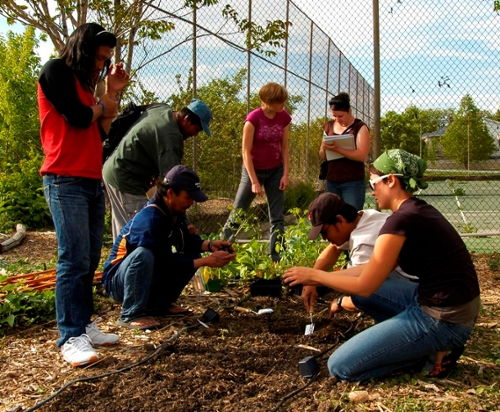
{"x": 266, "y": 287}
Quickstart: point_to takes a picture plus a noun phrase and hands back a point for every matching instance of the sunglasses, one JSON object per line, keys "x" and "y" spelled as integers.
{"x": 373, "y": 182}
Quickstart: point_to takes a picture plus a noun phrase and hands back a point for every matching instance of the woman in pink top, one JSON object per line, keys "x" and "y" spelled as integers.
{"x": 265, "y": 161}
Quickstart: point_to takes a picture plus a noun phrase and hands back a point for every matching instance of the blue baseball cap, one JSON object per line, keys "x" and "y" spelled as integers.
{"x": 200, "y": 109}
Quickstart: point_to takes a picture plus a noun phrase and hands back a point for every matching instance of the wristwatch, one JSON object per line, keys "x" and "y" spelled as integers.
{"x": 339, "y": 302}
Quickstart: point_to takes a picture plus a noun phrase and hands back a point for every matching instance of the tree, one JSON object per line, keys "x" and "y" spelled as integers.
{"x": 399, "y": 131}
{"x": 404, "y": 131}
{"x": 305, "y": 140}
{"x": 21, "y": 194}
{"x": 494, "y": 116}
{"x": 467, "y": 138}
{"x": 130, "y": 20}
{"x": 218, "y": 157}
{"x": 19, "y": 123}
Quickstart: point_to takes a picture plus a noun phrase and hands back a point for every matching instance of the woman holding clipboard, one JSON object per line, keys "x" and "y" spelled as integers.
{"x": 346, "y": 171}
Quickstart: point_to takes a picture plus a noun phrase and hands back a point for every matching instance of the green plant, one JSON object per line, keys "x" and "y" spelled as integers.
{"x": 467, "y": 228}
{"x": 299, "y": 195}
{"x": 24, "y": 265}
{"x": 297, "y": 250}
{"x": 245, "y": 221}
{"x": 254, "y": 262}
{"x": 23, "y": 308}
{"x": 223, "y": 333}
{"x": 494, "y": 261}
{"x": 21, "y": 196}
{"x": 456, "y": 187}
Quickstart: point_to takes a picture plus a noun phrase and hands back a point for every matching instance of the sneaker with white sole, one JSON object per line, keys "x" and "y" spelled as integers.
{"x": 78, "y": 351}
{"x": 97, "y": 337}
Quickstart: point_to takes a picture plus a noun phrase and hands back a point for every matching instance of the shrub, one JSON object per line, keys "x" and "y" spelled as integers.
{"x": 23, "y": 308}
{"x": 494, "y": 261}
{"x": 21, "y": 196}
{"x": 299, "y": 195}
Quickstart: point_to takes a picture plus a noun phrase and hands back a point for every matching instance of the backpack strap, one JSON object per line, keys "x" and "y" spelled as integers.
{"x": 158, "y": 207}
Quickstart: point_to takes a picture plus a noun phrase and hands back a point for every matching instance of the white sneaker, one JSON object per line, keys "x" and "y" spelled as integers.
{"x": 79, "y": 351}
{"x": 98, "y": 338}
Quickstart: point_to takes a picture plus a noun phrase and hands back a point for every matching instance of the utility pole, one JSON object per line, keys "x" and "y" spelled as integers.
{"x": 376, "y": 79}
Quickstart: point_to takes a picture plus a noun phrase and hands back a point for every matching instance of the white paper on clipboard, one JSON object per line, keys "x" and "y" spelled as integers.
{"x": 345, "y": 141}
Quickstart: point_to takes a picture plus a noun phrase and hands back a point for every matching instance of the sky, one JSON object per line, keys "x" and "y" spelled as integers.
{"x": 432, "y": 52}
{"x": 422, "y": 43}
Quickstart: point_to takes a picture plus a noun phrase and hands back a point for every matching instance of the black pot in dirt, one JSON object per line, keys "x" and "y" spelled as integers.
{"x": 213, "y": 285}
{"x": 266, "y": 287}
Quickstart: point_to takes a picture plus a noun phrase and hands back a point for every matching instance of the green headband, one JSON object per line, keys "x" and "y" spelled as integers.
{"x": 410, "y": 166}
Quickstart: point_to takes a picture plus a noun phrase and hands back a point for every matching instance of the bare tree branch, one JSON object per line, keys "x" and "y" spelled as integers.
{"x": 130, "y": 20}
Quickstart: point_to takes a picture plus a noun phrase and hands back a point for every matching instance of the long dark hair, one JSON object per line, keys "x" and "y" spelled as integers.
{"x": 80, "y": 51}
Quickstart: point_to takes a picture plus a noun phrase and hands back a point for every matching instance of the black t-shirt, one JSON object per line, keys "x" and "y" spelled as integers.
{"x": 435, "y": 252}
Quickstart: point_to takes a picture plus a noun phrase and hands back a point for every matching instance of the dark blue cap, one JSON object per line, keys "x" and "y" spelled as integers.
{"x": 183, "y": 178}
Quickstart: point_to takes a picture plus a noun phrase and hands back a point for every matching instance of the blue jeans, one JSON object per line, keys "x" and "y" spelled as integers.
{"x": 270, "y": 181}
{"x": 146, "y": 287}
{"x": 77, "y": 206}
{"x": 351, "y": 192}
{"x": 389, "y": 300}
{"x": 404, "y": 340}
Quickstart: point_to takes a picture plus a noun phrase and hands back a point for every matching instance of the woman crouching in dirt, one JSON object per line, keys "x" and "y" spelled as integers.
{"x": 437, "y": 316}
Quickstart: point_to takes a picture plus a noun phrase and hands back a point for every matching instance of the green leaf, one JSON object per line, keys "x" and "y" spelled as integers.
{"x": 9, "y": 320}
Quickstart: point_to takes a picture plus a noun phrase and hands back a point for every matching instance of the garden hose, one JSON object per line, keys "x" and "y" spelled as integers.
{"x": 124, "y": 369}
{"x": 210, "y": 315}
{"x": 315, "y": 375}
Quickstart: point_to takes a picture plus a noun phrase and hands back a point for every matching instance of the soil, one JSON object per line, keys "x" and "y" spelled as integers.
{"x": 242, "y": 362}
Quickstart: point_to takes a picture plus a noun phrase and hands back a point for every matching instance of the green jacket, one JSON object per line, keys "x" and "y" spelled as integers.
{"x": 152, "y": 146}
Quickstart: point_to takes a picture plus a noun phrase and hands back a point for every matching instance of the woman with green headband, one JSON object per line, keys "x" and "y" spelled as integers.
{"x": 439, "y": 315}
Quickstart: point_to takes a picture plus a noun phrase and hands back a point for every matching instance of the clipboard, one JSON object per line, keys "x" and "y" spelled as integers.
{"x": 345, "y": 141}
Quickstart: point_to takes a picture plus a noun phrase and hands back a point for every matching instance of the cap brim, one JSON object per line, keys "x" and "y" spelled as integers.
{"x": 198, "y": 196}
{"x": 314, "y": 232}
{"x": 206, "y": 129}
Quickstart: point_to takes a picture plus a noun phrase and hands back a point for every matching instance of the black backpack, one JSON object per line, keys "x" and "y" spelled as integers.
{"x": 120, "y": 126}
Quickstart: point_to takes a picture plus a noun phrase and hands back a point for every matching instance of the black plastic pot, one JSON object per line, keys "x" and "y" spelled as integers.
{"x": 266, "y": 287}
{"x": 213, "y": 285}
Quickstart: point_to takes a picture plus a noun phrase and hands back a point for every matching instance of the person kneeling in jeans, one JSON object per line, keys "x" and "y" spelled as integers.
{"x": 155, "y": 255}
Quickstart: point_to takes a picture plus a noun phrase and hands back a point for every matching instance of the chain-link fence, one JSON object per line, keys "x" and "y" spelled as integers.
{"x": 430, "y": 68}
